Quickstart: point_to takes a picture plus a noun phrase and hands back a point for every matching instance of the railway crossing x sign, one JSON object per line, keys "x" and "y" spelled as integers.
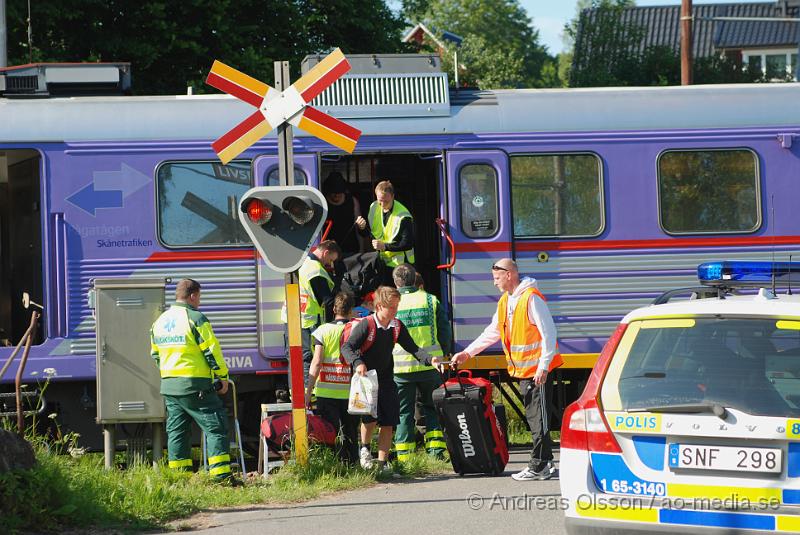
{"x": 277, "y": 107}
{"x": 299, "y": 218}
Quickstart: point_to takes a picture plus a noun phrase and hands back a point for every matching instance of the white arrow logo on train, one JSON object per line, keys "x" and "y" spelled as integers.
{"x": 108, "y": 189}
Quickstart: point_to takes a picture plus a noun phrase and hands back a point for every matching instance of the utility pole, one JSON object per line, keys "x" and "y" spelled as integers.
{"x": 3, "y": 35}
{"x": 686, "y": 42}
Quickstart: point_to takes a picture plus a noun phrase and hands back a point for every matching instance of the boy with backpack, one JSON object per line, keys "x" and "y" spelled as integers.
{"x": 368, "y": 346}
{"x": 329, "y": 378}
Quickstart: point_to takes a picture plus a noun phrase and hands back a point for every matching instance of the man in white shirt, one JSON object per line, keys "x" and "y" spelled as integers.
{"x": 525, "y": 327}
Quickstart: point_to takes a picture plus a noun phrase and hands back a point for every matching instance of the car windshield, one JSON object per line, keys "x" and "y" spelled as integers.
{"x": 752, "y": 365}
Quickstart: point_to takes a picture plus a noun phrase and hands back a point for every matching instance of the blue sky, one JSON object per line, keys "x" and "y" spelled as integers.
{"x": 549, "y": 16}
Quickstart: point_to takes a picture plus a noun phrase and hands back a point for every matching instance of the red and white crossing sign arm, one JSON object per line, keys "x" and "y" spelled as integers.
{"x": 327, "y": 128}
{"x": 238, "y": 84}
{"x": 275, "y": 107}
{"x": 247, "y": 89}
{"x": 322, "y": 75}
{"x": 237, "y": 140}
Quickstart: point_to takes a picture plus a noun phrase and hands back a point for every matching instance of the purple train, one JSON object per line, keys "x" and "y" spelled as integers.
{"x": 607, "y": 196}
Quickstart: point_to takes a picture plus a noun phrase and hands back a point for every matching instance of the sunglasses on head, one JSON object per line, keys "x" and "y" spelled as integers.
{"x": 495, "y": 267}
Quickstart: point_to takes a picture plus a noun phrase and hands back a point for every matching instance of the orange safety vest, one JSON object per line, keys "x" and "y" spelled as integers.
{"x": 524, "y": 347}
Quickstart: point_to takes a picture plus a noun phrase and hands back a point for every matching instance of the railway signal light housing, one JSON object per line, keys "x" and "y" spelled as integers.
{"x": 283, "y": 222}
{"x": 299, "y": 209}
{"x": 258, "y": 211}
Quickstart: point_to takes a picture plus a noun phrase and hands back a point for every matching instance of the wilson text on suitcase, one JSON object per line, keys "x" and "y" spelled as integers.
{"x": 476, "y": 441}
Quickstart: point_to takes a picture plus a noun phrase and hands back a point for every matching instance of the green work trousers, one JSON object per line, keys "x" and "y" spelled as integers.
{"x": 206, "y": 409}
{"x": 405, "y": 438}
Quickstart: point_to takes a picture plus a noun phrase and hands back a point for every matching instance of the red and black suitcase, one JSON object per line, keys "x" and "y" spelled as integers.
{"x": 475, "y": 439}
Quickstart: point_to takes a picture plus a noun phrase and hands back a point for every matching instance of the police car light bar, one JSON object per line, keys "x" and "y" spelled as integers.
{"x": 748, "y": 274}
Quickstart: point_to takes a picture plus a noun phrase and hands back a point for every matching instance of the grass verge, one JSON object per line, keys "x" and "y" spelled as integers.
{"x": 62, "y": 492}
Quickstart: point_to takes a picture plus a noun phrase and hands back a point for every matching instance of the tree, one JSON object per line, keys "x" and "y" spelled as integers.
{"x": 414, "y": 10}
{"x": 610, "y": 54}
{"x": 571, "y": 32}
{"x": 483, "y": 65}
{"x": 356, "y": 26}
{"x": 609, "y": 51}
{"x": 172, "y": 44}
{"x": 500, "y": 49}
{"x": 725, "y": 70}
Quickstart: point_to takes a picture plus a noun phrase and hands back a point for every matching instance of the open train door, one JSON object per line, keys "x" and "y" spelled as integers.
{"x": 480, "y": 227}
{"x": 270, "y": 283}
{"x": 21, "y": 252}
{"x": 418, "y": 181}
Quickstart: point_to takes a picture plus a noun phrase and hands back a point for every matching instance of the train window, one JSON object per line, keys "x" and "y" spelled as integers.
{"x": 197, "y": 203}
{"x": 479, "y": 211}
{"x": 708, "y": 191}
{"x": 274, "y": 177}
{"x": 557, "y": 195}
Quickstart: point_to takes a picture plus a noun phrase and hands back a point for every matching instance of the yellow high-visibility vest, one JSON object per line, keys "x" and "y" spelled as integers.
{"x": 334, "y": 376}
{"x": 311, "y": 312}
{"x": 183, "y": 343}
{"x": 417, "y": 311}
{"x": 388, "y": 233}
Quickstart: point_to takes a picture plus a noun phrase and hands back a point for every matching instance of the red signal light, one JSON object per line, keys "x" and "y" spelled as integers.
{"x": 258, "y": 211}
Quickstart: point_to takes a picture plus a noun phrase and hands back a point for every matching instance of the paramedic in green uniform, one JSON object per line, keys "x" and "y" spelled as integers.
{"x": 191, "y": 365}
{"x": 429, "y": 327}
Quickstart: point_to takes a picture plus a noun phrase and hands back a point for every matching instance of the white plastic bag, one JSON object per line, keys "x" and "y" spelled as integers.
{"x": 364, "y": 394}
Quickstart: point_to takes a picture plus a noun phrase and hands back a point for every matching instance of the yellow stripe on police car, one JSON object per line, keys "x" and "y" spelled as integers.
{"x": 640, "y": 422}
{"x": 792, "y": 428}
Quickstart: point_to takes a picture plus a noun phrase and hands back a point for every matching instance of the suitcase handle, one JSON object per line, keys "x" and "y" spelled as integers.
{"x": 457, "y": 372}
{"x": 442, "y": 374}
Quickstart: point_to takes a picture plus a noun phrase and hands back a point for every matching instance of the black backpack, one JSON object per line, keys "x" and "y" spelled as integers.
{"x": 364, "y": 272}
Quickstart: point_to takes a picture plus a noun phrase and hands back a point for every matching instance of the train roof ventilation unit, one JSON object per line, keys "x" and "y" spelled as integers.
{"x": 65, "y": 80}
{"x": 385, "y": 85}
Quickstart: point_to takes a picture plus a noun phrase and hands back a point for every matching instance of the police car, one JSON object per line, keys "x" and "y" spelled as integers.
{"x": 690, "y": 420}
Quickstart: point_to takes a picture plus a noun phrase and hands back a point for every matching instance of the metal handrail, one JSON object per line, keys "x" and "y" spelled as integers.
{"x": 31, "y": 332}
{"x": 443, "y": 227}
{"x": 328, "y": 225}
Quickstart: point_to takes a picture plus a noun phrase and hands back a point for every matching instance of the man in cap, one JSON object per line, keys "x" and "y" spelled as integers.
{"x": 343, "y": 211}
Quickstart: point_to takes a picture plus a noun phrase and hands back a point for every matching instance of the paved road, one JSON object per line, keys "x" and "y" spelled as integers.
{"x": 433, "y": 505}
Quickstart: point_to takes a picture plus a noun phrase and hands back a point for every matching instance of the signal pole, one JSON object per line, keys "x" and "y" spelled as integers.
{"x": 290, "y": 103}
{"x": 686, "y": 42}
{"x": 296, "y": 375}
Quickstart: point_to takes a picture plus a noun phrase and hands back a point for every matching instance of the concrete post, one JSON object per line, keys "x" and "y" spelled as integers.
{"x": 109, "y": 445}
{"x": 158, "y": 442}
